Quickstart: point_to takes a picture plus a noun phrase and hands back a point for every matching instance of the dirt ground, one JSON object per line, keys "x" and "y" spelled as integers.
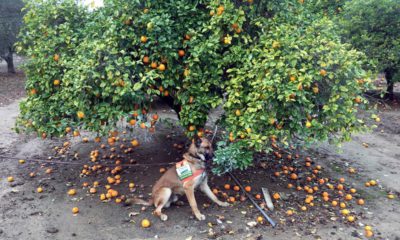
{"x": 26, "y": 214}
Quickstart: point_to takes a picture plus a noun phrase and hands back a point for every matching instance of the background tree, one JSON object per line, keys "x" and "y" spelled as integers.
{"x": 277, "y": 68}
{"x": 10, "y": 21}
{"x": 374, "y": 28}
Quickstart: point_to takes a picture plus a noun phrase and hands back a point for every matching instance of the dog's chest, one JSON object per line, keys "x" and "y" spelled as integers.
{"x": 200, "y": 179}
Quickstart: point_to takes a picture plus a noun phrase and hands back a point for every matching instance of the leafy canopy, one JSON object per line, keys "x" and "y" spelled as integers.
{"x": 373, "y": 27}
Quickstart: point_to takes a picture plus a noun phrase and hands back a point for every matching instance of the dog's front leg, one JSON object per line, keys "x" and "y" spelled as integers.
{"x": 206, "y": 189}
{"x": 189, "y": 191}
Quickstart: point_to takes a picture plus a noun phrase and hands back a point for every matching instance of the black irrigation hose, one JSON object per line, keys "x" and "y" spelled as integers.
{"x": 270, "y": 220}
{"x": 85, "y": 163}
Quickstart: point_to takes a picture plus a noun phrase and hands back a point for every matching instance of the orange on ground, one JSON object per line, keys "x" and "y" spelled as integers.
{"x": 348, "y": 197}
{"x": 276, "y": 196}
{"x": 247, "y": 189}
{"x": 369, "y": 234}
{"x": 391, "y": 196}
{"x": 351, "y": 218}
{"x": 227, "y": 186}
{"x": 293, "y": 176}
{"x": 135, "y": 143}
{"x": 102, "y": 197}
{"x": 75, "y": 210}
{"x": 71, "y": 192}
{"x": 92, "y": 190}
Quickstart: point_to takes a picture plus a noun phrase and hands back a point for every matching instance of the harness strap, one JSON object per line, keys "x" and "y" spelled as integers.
{"x": 195, "y": 174}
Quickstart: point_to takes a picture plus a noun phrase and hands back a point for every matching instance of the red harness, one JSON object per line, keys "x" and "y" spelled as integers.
{"x": 197, "y": 173}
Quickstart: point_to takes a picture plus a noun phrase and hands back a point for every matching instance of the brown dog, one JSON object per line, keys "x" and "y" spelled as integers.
{"x": 183, "y": 178}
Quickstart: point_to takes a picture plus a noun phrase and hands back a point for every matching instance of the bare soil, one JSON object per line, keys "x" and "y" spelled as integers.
{"x": 26, "y": 214}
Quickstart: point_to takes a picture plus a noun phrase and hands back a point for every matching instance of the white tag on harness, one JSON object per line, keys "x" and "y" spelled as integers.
{"x": 184, "y": 170}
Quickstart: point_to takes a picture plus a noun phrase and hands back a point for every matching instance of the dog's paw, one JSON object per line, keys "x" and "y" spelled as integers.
{"x": 164, "y": 217}
{"x": 200, "y": 217}
{"x": 224, "y": 204}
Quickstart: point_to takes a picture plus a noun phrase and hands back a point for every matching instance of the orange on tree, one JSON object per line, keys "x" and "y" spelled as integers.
{"x": 56, "y": 82}
{"x": 153, "y": 65}
{"x": 181, "y": 53}
{"x": 143, "y": 39}
{"x": 220, "y": 10}
{"x": 56, "y": 57}
{"x": 146, "y": 60}
{"x": 80, "y": 114}
{"x": 161, "y": 67}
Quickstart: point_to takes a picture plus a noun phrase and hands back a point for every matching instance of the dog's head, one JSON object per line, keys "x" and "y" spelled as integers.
{"x": 202, "y": 148}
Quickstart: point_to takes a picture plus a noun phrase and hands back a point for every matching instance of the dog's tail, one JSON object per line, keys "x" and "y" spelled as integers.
{"x": 138, "y": 201}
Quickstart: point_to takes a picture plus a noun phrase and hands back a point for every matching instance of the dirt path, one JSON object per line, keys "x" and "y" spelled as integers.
{"x": 25, "y": 214}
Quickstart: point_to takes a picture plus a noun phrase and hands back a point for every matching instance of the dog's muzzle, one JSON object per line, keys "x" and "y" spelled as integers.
{"x": 209, "y": 156}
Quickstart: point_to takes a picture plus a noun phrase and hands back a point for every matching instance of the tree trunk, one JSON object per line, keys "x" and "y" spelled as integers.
{"x": 170, "y": 102}
{"x": 390, "y": 84}
{"x": 8, "y": 57}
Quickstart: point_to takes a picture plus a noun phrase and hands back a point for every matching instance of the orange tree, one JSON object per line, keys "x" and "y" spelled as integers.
{"x": 276, "y": 67}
